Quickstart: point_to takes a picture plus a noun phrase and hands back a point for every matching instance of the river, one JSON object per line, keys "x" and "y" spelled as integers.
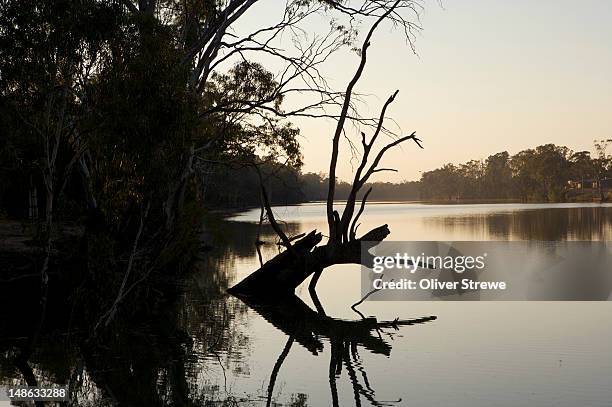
{"x": 217, "y": 350}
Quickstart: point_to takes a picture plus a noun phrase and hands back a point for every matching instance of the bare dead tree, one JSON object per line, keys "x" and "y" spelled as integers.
{"x": 303, "y": 258}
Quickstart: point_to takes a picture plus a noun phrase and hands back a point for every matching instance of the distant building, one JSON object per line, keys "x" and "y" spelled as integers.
{"x": 582, "y": 184}
{"x": 606, "y": 183}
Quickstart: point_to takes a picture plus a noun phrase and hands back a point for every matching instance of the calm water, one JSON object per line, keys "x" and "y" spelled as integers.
{"x": 473, "y": 354}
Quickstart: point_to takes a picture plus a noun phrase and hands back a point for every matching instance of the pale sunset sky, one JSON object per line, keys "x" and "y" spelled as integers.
{"x": 490, "y": 75}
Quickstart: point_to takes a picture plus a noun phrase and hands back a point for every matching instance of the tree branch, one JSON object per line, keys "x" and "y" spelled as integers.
{"x": 333, "y": 232}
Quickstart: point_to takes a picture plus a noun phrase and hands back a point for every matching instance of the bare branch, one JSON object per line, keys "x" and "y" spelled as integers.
{"x": 384, "y": 169}
{"x": 382, "y": 152}
{"x": 333, "y": 232}
{"x": 270, "y": 213}
{"x": 361, "y": 208}
{"x": 358, "y": 182}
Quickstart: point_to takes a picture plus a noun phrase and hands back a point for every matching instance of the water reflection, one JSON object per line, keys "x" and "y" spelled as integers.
{"x": 158, "y": 351}
{"x": 553, "y": 224}
{"x": 186, "y": 343}
{"x": 150, "y": 356}
{"x": 307, "y": 327}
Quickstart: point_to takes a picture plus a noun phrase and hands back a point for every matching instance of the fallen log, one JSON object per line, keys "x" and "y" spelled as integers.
{"x": 280, "y": 276}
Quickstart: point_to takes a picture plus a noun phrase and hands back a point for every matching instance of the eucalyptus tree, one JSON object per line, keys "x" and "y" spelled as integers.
{"x": 603, "y": 164}
{"x": 128, "y": 103}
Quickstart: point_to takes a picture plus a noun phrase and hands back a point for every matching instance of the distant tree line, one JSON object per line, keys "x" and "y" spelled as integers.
{"x": 541, "y": 174}
{"x": 239, "y": 188}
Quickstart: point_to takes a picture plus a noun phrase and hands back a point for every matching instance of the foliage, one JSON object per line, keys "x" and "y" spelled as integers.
{"x": 103, "y": 113}
{"x": 539, "y": 174}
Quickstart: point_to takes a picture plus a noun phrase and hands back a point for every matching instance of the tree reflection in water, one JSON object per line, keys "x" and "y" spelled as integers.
{"x": 155, "y": 360}
{"x": 149, "y": 356}
{"x": 178, "y": 330}
{"x": 307, "y": 327}
{"x": 551, "y": 224}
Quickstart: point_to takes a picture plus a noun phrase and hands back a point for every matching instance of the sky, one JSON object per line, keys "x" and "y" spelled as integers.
{"x": 490, "y": 76}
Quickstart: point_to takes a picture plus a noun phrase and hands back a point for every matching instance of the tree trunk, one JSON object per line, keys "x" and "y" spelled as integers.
{"x": 280, "y": 276}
